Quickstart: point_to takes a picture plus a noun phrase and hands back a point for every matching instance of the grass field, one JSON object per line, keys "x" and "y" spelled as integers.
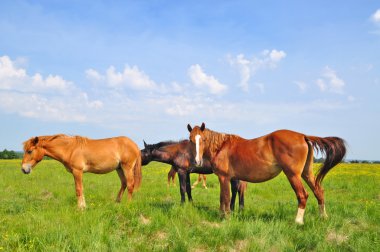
{"x": 38, "y": 213}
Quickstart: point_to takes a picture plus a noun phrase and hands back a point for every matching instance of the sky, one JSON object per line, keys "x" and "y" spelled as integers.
{"x": 145, "y": 69}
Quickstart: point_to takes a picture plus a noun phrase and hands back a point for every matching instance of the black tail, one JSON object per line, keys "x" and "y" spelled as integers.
{"x": 333, "y": 148}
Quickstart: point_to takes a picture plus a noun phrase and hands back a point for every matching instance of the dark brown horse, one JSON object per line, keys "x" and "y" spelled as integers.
{"x": 181, "y": 156}
{"x": 80, "y": 154}
{"x": 261, "y": 159}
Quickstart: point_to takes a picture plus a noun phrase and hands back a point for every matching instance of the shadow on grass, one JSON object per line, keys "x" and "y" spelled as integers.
{"x": 164, "y": 206}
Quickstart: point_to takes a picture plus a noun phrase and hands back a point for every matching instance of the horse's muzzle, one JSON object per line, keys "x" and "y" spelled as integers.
{"x": 26, "y": 168}
{"x": 199, "y": 163}
{"x": 25, "y": 171}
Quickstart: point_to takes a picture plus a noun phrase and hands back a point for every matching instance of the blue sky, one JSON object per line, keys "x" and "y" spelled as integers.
{"x": 145, "y": 69}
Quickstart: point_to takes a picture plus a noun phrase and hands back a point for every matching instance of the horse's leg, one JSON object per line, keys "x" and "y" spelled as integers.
{"x": 234, "y": 190}
{"x": 188, "y": 187}
{"x": 129, "y": 177}
{"x": 308, "y": 176}
{"x": 182, "y": 184}
{"x": 224, "y": 194}
{"x": 196, "y": 181}
{"x": 204, "y": 181}
{"x": 123, "y": 181}
{"x": 169, "y": 177}
{"x": 173, "y": 177}
{"x": 78, "y": 174}
{"x": 302, "y": 195}
{"x": 241, "y": 190}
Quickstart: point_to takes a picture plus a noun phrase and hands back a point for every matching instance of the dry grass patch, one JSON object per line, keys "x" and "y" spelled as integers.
{"x": 144, "y": 220}
{"x": 336, "y": 238}
{"x": 240, "y": 245}
{"x": 211, "y": 224}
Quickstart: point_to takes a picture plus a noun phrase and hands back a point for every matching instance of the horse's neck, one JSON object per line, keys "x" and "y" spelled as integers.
{"x": 163, "y": 156}
{"x": 216, "y": 141}
{"x": 57, "y": 149}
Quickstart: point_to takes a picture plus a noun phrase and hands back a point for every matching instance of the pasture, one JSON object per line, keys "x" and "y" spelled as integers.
{"x": 38, "y": 212}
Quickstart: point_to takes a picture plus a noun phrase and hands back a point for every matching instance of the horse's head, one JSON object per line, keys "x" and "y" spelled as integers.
{"x": 33, "y": 153}
{"x": 146, "y": 153}
{"x": 197, "y": 137}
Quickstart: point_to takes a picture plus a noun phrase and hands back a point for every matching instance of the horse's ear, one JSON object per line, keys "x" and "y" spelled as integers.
{"x": 35, "y": 141}
{"x": 145, "y": 145}
{"x": 189, "y": 128}
{"x": 203, "y": 126}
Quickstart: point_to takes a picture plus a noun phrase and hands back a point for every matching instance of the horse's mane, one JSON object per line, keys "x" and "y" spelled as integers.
{"x": 164, "y": 143}
{"x": 216, "y": 140}
{"x": 42, "y": 140}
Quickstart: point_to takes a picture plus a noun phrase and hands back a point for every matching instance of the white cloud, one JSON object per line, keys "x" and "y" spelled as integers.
{"x": 302, "y": 86}
{"x": 9, "y": 70}
{"x": 113, "y": 107}
{"x": 201, "y": 79}
{"x": 14, "y": 78}
{"x": 336, "y": 83}
{"x": 94, "y": 76}
{"x": 47, "y": 98}
{"x": 275, "y": 56}
{"x": 131, "y": 77}
{"x": 248, "y": 67}
{"x": 376, "y": 17}
{"x": 321, "y": 84}
{"x": 330, "y": 81}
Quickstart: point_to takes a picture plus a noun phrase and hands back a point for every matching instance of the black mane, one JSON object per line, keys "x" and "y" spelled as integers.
{"x": 163, "y": 143}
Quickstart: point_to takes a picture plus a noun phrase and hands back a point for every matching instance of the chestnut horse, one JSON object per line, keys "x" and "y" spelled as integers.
{"x": 181, "y": 155}
{"x": 79, "y": 154}
{"x": 261, "y": 159}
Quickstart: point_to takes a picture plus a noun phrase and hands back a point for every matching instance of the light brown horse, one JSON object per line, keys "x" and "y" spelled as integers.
{"x": 79, "y": 154}
{"x": 261, "y": 159}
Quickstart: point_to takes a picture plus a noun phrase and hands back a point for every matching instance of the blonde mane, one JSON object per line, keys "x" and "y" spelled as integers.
{"x": 216, "y": 140}
{"x": 43, "y": 140}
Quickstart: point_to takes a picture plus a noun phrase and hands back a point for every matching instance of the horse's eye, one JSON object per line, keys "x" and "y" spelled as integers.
{"x": 29, "y": 151}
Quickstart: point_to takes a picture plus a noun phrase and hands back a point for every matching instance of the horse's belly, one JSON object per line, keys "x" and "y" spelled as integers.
{"x": 260, "y": 174}
{"x": 101, "y": 168}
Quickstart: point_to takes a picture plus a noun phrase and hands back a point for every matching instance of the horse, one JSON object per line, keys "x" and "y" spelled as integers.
{"x": 180, "y": 156}
{"x": 261, "y": 159}
{"x": 80, "y": 154}
{"x": 201, "y": 177}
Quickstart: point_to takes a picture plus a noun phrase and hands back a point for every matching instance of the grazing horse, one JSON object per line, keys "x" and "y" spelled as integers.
{"x": 181, "y": 155}
{"x": 261, "y": 159}
{"x": 79, "y": 154}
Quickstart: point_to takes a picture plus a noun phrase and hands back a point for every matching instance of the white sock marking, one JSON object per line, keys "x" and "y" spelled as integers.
{"x": 299, "y": 217}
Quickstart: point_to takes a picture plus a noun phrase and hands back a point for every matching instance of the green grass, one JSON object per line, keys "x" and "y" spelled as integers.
{"x": 38, "y": 213}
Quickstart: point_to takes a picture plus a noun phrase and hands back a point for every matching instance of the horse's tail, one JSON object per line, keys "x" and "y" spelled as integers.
{"x": 334, "y": 149}
{"x": 137, "y": 171}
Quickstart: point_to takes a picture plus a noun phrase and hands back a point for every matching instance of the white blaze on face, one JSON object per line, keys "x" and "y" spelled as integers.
{"x": 197, "y": 138}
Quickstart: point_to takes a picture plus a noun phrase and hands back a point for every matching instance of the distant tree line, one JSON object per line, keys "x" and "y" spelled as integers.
{"x": 10, "y": 154}
{"x": 363, "y": 162}
{"x": 356, "y": 161}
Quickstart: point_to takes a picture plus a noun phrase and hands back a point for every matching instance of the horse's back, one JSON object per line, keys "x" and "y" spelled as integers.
{"x": 118, "y": 148}
{"x": 120, "y": 142}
